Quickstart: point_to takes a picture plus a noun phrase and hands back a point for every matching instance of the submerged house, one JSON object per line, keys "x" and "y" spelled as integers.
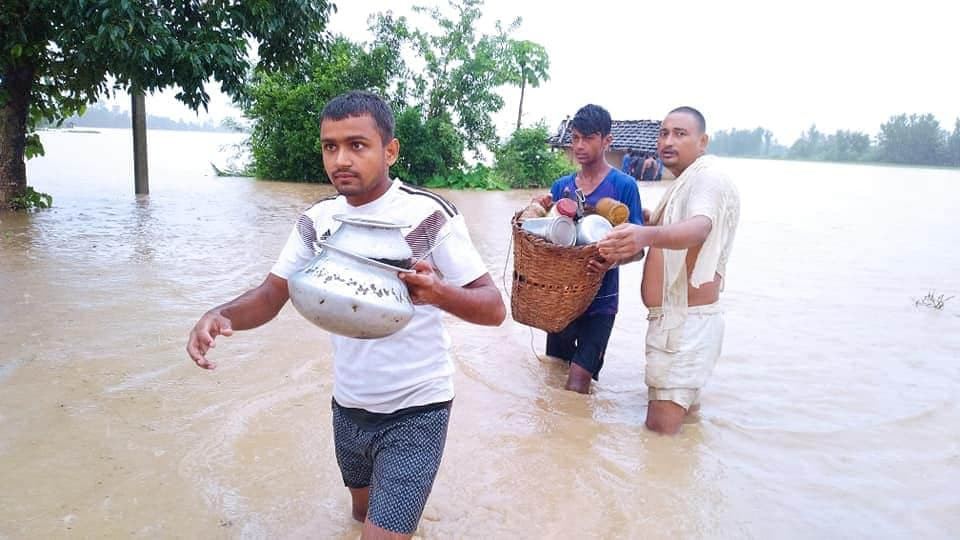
{"x": 638, "y": 135}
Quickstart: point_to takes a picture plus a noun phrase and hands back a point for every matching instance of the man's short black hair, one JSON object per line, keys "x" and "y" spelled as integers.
{"x": 360, "y": 103}
{"x": 697, "y": 115}
{"x": 592, "y": 119}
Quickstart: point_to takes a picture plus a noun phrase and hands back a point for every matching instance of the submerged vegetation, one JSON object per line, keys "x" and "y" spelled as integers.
{"x": 31, "y": 199}
{"x": 932, "y": 300}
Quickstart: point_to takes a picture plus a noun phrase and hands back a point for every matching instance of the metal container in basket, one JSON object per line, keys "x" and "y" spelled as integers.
{"x": 551, "y": 285}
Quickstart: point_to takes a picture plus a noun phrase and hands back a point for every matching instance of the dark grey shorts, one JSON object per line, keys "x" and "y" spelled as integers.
{"x": 398, "y": 460}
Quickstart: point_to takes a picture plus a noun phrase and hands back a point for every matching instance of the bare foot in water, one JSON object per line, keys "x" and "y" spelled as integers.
{"x": 578, "y": 380}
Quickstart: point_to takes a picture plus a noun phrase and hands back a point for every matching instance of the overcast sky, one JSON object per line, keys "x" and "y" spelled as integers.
{"x": 842, "y": 64}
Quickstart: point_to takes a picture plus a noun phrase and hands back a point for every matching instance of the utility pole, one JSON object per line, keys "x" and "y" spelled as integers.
{"x": 141, "y": 182}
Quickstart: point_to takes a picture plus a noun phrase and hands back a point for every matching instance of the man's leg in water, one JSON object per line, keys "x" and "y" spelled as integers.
{"x": 356, "y": 468}
{"x": 360, "y": 499}
{"x": 578, "y": 379}
{"x": 390, "y": 471}
{"x": 563, "y": 344}
{"x": 406, "y": 458}
{"x": 665, "y": 417}
{"x": 372, "y": 532}
{"x": 679, "y": 363}
{"x": 594, "y": 334}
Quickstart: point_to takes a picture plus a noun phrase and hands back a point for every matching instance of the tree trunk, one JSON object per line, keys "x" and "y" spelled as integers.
{"x": 17, "y": 82}
{"x": 523, "y": 84}
{"x": 138, "y": 115}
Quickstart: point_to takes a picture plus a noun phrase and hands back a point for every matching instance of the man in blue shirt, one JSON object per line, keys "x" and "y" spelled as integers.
{"x": 627, "y": 161}
{"x": 584, "y": 341}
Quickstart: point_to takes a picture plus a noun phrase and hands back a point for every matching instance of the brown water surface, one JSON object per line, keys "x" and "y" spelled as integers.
{"x": 832, "y": 413}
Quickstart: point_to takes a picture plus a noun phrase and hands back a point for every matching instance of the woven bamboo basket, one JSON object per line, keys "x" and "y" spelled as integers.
{"x": 551, "y": 285}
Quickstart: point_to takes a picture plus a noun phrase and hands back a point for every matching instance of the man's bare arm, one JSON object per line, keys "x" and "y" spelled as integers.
{"x": 684, "y": 235}
{"x": 256, "y": 306}
{"x": 626, "y": 241}
{"x": 478, "y": 302}
{"x": 249, "y": 310}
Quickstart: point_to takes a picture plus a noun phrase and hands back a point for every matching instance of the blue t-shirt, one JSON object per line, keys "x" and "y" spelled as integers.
{"x": 625, "y": 166}
{"x": 624, "y": 189}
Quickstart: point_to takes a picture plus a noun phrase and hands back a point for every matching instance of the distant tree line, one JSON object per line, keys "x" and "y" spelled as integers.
{"x": 101, "y": 117}
{"x": 910, "y": 140}
{"x": 758, "y": 142}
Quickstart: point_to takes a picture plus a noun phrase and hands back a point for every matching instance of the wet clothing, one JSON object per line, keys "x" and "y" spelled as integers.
{"x": 396, "y": 455}
{"x": 681, "y": 359}
{"x": 701, "y": 190}
{"x": 584, "y": 341}
{"x": 392, "y": 395}
{"x": 413, "y": 366}
{"x": 624, "y": 189}
{"x": 684, "y": 342}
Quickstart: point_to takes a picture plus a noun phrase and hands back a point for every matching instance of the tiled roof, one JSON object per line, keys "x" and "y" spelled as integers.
{"x": 638, "y": 135}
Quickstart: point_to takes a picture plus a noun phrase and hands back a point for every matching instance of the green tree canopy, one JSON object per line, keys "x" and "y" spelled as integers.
{"x": 57, "y": 56}
{"x": 462, "y": 69}
{"x": 846, "y": 146}
{"x": 912, "y": 139}
{"x": 442, "y": 107}
{"x": 526, "y": 63}
{"x": 526, "y": 161}
{"x": 286, "y": 107}
{"x": 429, "y": 147}
{"x": 809, "y": 145}
{"x": 953, "y": 145}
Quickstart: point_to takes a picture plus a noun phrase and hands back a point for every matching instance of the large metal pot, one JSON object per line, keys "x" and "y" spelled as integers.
{"x": 350, "y": 288}
{"x": 592, "y": 228}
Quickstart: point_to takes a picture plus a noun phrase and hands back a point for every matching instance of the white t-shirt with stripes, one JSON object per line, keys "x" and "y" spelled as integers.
{"x": 411, "y": 367}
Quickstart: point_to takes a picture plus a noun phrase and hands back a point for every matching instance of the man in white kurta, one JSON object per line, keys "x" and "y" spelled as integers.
{"x": 690, "y": 235}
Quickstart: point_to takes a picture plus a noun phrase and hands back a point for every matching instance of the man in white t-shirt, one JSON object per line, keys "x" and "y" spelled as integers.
{"x": 391, "y": 396}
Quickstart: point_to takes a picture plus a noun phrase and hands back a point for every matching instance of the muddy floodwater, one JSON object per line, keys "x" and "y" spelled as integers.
{"x": 833, "y": 412}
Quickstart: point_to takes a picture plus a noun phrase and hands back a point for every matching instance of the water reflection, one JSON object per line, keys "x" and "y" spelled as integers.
{"x": 144, "y": 238}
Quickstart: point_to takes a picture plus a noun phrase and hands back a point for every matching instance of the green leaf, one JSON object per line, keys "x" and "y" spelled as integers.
{"x": 77, "y": 46}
